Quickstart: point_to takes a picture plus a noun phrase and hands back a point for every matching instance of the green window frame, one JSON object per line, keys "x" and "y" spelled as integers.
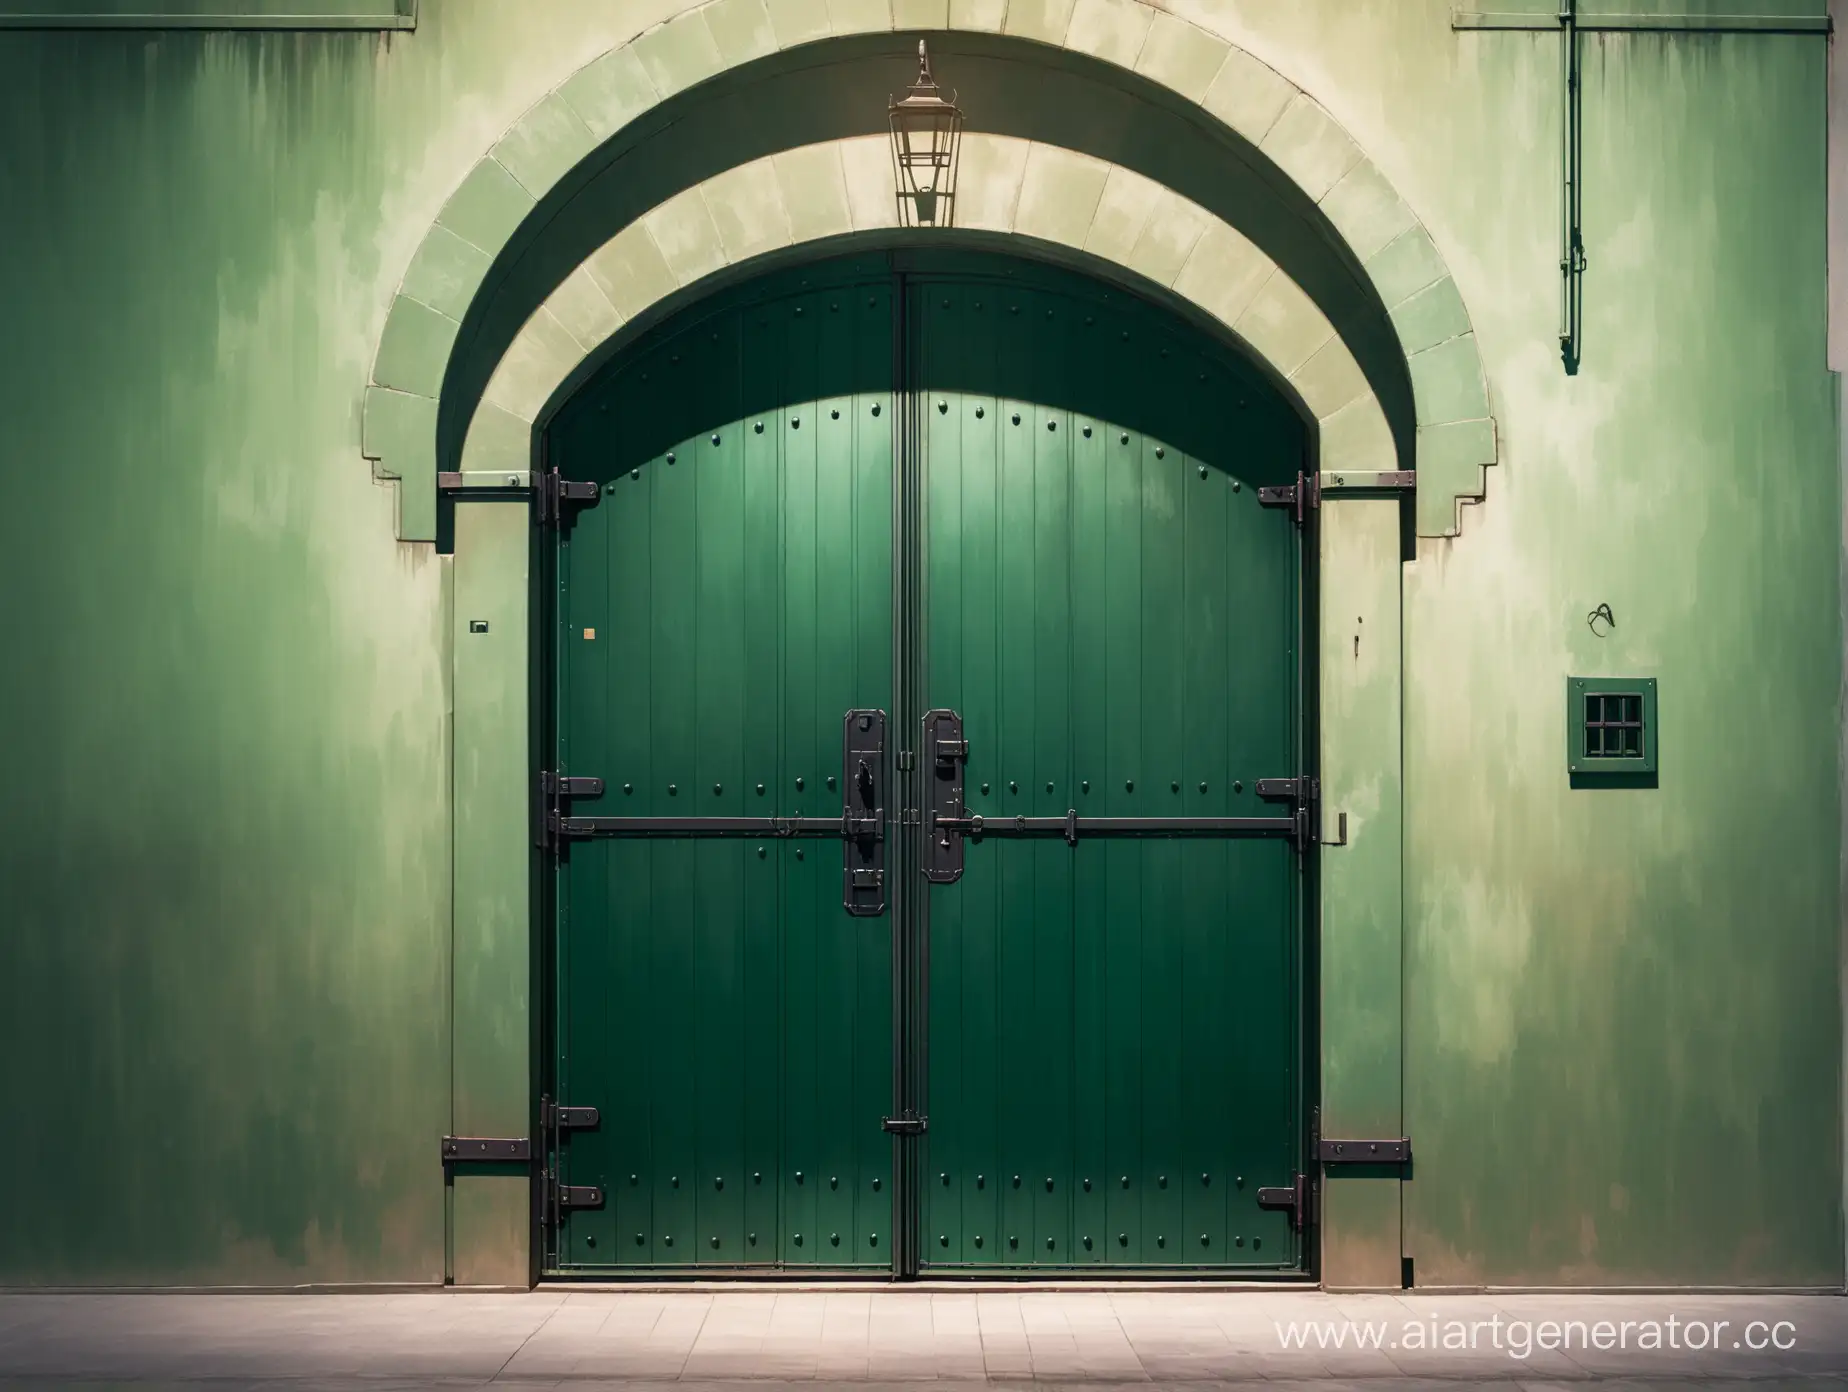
{"x": 1611, "y": 726}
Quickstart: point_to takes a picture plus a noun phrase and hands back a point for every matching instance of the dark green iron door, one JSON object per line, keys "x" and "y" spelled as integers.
{"x": 1053, "y": 530}
{"x": 721, "y": 607}
{"x": 1113, "y": 613}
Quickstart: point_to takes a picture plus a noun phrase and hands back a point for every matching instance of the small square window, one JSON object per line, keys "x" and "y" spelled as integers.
{"x": 1611, "y": 734}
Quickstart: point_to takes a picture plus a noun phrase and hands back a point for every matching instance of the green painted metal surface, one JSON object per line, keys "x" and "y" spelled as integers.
{"x": 721, "y": 608}
{"x": 1114, "y": 1049}
{"x": 1115, "y": 1058}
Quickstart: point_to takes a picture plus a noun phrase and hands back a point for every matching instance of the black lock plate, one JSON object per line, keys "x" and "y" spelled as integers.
{"x": 946, "y": 755}
{"x": 863, "y": 801}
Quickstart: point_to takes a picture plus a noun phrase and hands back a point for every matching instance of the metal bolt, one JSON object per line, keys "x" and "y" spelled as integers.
{"x": 638, "y": 1239}
{"x": 1016, "y": 1181}
{"x": 1129, "y": 785}
{"x": 1239, "y": 1180}
{"x": 1049, "y": 1244}
{"x": 1203, "y": 1239}
{"x": 1016, "y": 418}
{"x": 609, "y": 488}
{"x": 1256, "y": 1243}
{"x": 798, "y": 1235}
{"x": 875, "y": 1186}
{"x": 798, "y": 1176}
{"x": 1238, "y": 785}
{"x": 1236, "y": 485}
{"x": 760, "y": 790}
{"x": 834, "y": 1181}
{"x": 670, "y": 456}
{"x": 1087, "y": 1242}
{"x": 834, "y": 415}
{"x": 1161, "y": 1241}
{"x": 1125, "y": 437}
{"x": 632, "y": 1179}
{"x": 1087, "y": 1186}
{"x": 1122, "y": 1239}
{"x": 798, "y": 785}
{"x": 668, "y": 1240}
{"x": 798, "y": 853}
{"x": 1203, "y": 471}
{"x": 1013, "y": 787}
{"x": 1048, "y": 1184}
{"x": 718, "y": 1181}
{"x": 757, "y": 1177}
{"x": 978, "y": 1239}
{"x": 715, "y": 1242}
{"x": 635, "y": 473}
{"x": 943, "y": 1239}
{"x": 944, "y": 1177}
{"x": 1085, "y": 786}
{"x": 1052, "y": 425}
{"x": 1049, "y": 786}
{"x": 674, "y": 1180}
{"x": 872, "y": 1240}
{"x": 979, "y": 1182}
{"x": 751, "y": 1238}
{"x": 1175, "y": 786}
{"x": 718, "y": 789}
{"x": 1160, "y": 452}
{"x": 875, "y": 408}
{"x": 761, "y": 853}
{"x": 715, "y": 439}
{"x": 759, "y": 427}
{"x": 984, "y": 789}
{"x": 942, "y": 407}
{"x": 1126, "y": 1181}
{"x": 795, "y": 422}
{"x": 513, "y": 480}
{"x": 830, "y": 780}
{"x": 1206, "y": 1179}
{"x": 835, "y": 1238}
{"x": 590, "y": 1241}
{"x": 1087, "y": 432}
{"x": 1013, "y": 1242}
{"x": 672, "y": 790}
{"x": 628, "y": 787}
{"x": 1163, "y": 1181}
{"x": 1203, "y": 787}
{"x": 1238, "y": 1241}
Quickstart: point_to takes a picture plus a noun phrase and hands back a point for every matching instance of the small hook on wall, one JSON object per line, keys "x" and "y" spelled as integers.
{"x": 1602, "y": 614}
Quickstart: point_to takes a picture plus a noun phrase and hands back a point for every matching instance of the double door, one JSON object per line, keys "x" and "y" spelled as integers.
{"x": 925, "y": 805}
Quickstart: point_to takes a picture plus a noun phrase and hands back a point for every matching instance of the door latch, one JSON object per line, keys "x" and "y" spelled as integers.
{"x": 863, "y": 839}
{"x": 949, "y": 757}
{"x": 1294, "y": 1198}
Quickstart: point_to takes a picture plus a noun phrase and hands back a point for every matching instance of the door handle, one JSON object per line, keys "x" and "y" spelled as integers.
{"x": 863, "y": 841}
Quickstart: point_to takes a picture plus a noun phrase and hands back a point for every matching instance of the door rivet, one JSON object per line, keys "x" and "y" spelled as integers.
{"x": 1129, "y": 785}
{"x": 944, "y": 1178}
{"x": 1238, "y": 1241}
{"x": 1160, "y": 452}
{"x": 835, "y": 1238}
{"x": 795, "y": 422}
{"x": 1161, "y": 1241}
{"x": 1087, "y": 1242}
{"x": 715, "y": 1242}
{"x": 978, "y": 1239}
{"x": 1126, "y": 1181}
{"x": 1238, "y": 785}
{"x": 980, "y": 1182}
{"x": 635, "y": 473}
{"x": 1122, "y": 1239}
{"x": 799, "y": 785}
{"x": 1087, "y": 432}
{"x": 759, "y": 427}
{"x": 980, "y": 413}
{"x": 798, "y": 853}
{"x": 875, "y": 408}
{"x": 674, "y": 1180}
{"x": 1175, "y": 786}
{"x": 1203, "y": 1241}
{"x": 628, "y": 787}
{"x": 1013, "y": 787}
{"x": 942, "y": 407}
{"x": 1085, "y": 786}
{"x": 875, "y": 1186}
{"x": 761, "y": 853}
{"x": 1236, "y": 485}
{"x": 1125, "y": 438}
{"x": 1049, "y": 787}
{"x": 718, "y": 1181}
{"x": 1206, "y": 1179}
{"x": 1256, "y": 1243}
{"x": 1052, "y": 425}
{"x": 672, "y": 789}
{"x": 1239, "y": 1180}
{"x": 798, "y": 1235}
{"x": 633, "y": 1179}
{"x": 1016, "y": 418}
{"x": 718, "y": 789}
{"x": 872, "y": 1240}
{"x": 1048, "y": 1184}
{"x": 830, "y": 780}
{"x": 715, "y": 440}
{"x": 760, "y": 790}
{"x": 984, "y": 790}
{"x": 638, "y": 1239}
{"x": 757, "y": 1177}
{"x": 1016, "y": 1181}
{"x": 668, "y": 1240}
{"x": 609, "y": 488}
{"x": 1163, "y": 1181}
{"x": 1087, "y": 1186}
{"x": 670, "y": 456}
{"x": 1203, "y": 787}
{"x": 751, "y": 1238}
{"x": 1049, "y": 1244}
{"x": 1013, "y": 1242}
{"x": 1203, "y": 471}
{"x": 834, "y": 1181}
{"x": 798, "y": 1176}
{"x": 834, "y": 415}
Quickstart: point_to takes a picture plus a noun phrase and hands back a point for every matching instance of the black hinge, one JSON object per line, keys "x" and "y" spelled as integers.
{"x": 1295, "y": 1198}
{"x": 551, "y": 794}
{"x": 910, "y": 1124}
{"x": 552, "y": 494}
{"x": 1397, "y": 1151}
{"x": 485, "y": 1150}
{"x": 556, "y": 1118}
{"x": 564, "y": 1196}
{"x": 1301, "y": 497}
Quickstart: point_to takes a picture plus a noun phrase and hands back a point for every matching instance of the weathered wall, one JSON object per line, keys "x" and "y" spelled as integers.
{"x": 224, "y": 836}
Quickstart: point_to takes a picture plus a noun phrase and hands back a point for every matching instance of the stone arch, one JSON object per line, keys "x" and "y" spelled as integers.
{"x": 639, "y": 90}
{"x": 1089, "y": 210}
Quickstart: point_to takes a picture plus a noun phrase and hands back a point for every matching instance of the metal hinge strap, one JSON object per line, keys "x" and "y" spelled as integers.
{"x": 551, "y": 495}
{"x": 1295, "y": 1198}
{"x": 486, "y": 1150}
{"x": 1397, "y": 1151}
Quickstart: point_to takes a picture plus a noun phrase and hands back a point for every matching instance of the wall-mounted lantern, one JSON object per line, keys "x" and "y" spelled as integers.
{"x": 926, "y": 138}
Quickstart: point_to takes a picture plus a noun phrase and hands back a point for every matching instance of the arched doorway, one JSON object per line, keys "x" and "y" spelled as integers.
{"x": 939, "y": 901}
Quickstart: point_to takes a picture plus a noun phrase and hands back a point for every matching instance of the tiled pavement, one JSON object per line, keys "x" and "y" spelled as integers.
{"x": 579, "y": 1340}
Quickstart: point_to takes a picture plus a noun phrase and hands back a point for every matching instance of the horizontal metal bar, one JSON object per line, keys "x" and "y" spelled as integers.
{"x": 495, "y": 480}
{"x": 463, "y": 1150}
{"x": 715, "y": 826}
{"x": 1119, "y": 826}
{"x": 1369, "y": 481}
{"x": 103, "y": 19}
{"x": 1549, "y": 23}
{"x": 1390, "y": 1152}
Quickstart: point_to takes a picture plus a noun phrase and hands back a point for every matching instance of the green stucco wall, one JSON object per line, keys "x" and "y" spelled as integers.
{"x": 226, "y": 924}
